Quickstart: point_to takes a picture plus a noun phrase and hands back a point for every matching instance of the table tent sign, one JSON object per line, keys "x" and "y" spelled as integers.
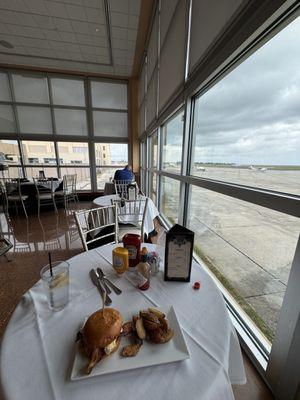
{"x": 179, "y": 254}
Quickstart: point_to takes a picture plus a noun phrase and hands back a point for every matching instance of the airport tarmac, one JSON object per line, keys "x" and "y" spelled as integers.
{"x": 252, "y": 246}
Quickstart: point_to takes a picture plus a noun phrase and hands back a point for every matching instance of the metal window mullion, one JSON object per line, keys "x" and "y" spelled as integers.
{"x": 90, "y": 126}
{"x": 53, "y": 125}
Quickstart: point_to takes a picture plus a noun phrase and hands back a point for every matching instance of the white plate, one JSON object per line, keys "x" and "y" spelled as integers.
{"x": 149, "y": 354}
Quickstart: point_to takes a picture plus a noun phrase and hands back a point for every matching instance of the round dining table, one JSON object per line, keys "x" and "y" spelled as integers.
{"x": 38, "y": 346}
{"x": 151, "y": 212}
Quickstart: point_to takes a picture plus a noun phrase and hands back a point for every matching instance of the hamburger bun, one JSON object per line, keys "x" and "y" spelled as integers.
{"x": 101, "y": 329}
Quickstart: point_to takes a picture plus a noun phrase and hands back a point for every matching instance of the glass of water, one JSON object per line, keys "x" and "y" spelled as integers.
{"x": 57, "y": 285}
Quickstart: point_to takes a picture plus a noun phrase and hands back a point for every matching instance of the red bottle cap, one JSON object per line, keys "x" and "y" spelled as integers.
{"x": 196, "y": 285}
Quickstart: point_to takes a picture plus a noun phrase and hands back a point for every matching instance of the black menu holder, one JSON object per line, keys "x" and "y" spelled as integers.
{"x": 179, "y": 254}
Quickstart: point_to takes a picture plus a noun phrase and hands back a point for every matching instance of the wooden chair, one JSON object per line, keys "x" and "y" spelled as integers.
{"x": 97, "y": 226}
{"x": 121, "y": 188}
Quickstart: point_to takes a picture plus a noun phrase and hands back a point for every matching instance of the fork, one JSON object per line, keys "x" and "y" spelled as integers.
{"x": 104, "y": 279}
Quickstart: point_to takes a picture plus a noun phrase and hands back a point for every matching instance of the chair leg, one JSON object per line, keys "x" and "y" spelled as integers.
{"x": 54, "y": 203}
{"x": 24, "y": 208}
{"x": 39, "y": 207}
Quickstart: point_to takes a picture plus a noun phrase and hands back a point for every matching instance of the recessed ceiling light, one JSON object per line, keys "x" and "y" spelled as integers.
{"x": 97, "y": 29}
{"x": 6, "y": 44}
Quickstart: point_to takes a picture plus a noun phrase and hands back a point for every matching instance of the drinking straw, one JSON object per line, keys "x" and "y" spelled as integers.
{"x": 50, "y": 264}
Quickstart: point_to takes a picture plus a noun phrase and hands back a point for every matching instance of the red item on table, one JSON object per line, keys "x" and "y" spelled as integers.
{"x": 196, "y": 285}
{"x": 132, "y": 243}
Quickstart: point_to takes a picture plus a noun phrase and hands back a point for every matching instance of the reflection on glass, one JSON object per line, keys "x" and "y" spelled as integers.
{"x": 111, "y": 153}
{"x": 154, "y": 150}
{"x": 246, "y": 127}
{"x": 68, "y": 92}
{"x": 70, "y": 122}
{"x": 7, "y": 119}
{"x": 30, "y": 89}
{"x": 83, "y": 176}
{"x": 34, "y": 119}
{"x": 38, "y": 152}
{"x": 73, "y": 153}
{"x": 249, "y": 254}
{"x": 172, "y": 143}
{"x": 170, "y": 191}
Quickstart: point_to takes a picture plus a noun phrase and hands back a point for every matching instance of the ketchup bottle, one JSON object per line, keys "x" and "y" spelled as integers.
{"x": 132, "y": 243}
{"x": 143, "y": 271}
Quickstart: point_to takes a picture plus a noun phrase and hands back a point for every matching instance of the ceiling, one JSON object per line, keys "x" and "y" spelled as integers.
{"x": 95, "y": 36}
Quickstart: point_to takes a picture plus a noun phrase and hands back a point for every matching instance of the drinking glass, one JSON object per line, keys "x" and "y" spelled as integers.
{"x": 57, "y": 285}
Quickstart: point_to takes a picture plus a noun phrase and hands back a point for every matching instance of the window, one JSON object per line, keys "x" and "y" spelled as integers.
{"x": 70, "y": 122}
{"x": 30, "y": 88}
{"x": 170, "y": 191}
{"x": 36, "y": 151}
{"x": 109, "y": 154}
{"x": 245, "y": 127}
{"x": 68, "y": 92}
{"x": 109, "y": 95}
{"x": 7, "y": 119}
{"x": 77, "y": 153}
{"x": 172, "y": 133}
{"x": 9, "y": 154}
{"x": 249, "y": 248}
{"x": 110, "y": 124}
{"x": 4, "y": 88}
{"x": 154, "y": 150}
{"x": 34, "y": 119}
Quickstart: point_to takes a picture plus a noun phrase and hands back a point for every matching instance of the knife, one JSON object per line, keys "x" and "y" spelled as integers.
{"x": 103, "y": 277}
{"x": 97, "y": 283}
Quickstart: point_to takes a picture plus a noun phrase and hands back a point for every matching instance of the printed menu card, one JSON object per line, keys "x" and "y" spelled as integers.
{"x": 178, "y": 254}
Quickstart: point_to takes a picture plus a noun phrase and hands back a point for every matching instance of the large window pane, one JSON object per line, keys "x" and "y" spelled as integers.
{"x": 103, "y": 175}
{"x": 9, "y": 152}
{"x": 170, "y": 191}
{"x": 153, "y": 187}
{"x": 246, "y": 127}
{"x": 83, "y": 176}
{"x": 38, "y": 152}
{"x": 34, "y": 119}
{"x": 70, "y": 122}
{"x": 4, "y": 88}
{"x": 249, "y": 248}
{"x": 33, "y": 172}
{"x": 110, "y": 124}
{"x": 111, "y": 153}
{"x": 172, "y": 143}
{"x": 109, "y": 95}
{"x": 30, "y": 88}
{"x": 154, "y": 150}
{"x": 7, "y": 119}
{"x": 68, "y": 92}
{"x": 73, "y": 153}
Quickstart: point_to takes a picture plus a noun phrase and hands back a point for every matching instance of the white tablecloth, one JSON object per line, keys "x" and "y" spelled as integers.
{"x": 151, "y": 213}
{"x": 38, "y": 345}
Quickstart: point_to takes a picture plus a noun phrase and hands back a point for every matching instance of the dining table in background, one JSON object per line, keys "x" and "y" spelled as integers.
{"x": 151, "y": 212}
{"x": 38, "y": 346}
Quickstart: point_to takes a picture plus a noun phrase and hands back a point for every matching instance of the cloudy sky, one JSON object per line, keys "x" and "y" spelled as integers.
{"x": 252, "y": 116}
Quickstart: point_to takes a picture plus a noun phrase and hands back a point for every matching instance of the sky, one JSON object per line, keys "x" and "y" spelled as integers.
{"x": 252, "y": 116}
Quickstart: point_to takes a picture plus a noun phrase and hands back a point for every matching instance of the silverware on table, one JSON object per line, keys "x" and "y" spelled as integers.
{"x": 103, "y": 277}
{"x": 102, "y": 280}
{"x": 97, "y": 283}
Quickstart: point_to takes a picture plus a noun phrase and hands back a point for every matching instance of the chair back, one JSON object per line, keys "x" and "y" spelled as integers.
{"x": 11, "y": 185}
{"x": 68, "y": 183}
{"x": 43, "y": 186}
{"x": 121, "y": 188}
{"x": 132, "y": 212}
{"x": 97, "y": 226}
